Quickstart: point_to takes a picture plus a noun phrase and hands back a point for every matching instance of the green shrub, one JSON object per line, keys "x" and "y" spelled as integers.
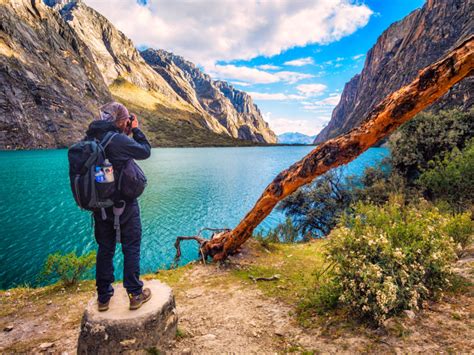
{"x": 377, "y": 183}
{"x": 321, "y": 299}
{"x": 391, "y": 258}
{"x": 68, "y": 268}
{"x": 452, "y": 178}
{"x": 461, "y": 228}
{"x": 316, "y": 208}
{"x": 429, "y": 135}
{"x": 282, "y": 233}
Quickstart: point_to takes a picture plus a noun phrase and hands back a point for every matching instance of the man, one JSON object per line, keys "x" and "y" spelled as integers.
{"x": 114, "y": 117}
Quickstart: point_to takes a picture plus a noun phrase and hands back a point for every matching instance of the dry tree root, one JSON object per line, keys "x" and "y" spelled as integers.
{"x": 203, "y": 251}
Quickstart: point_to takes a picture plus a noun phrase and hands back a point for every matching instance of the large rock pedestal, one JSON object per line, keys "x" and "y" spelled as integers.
{"x": 120, "y": 330}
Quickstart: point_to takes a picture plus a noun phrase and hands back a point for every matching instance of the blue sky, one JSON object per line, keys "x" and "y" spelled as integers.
{"x": 293, "y": 57}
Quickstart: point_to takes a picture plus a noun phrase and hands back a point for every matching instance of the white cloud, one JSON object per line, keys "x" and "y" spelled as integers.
{"x": 292, "y": 77}
{"x": 323, "y": 106}
{"x": 274, "y": 96}
{"x": 300, "y": 62}
{"x": 208, "y": 31}
{"x": 358, "y": 56}
{"x": 332, "y": 100}
{"x": 240, "y": 83}
{"x": 268, "y": 67}
{"x": 310, "y": 126}
{"x": 253, "y": 75}
{"x": 247, "y": 74}
{"x": 311, "y": 89}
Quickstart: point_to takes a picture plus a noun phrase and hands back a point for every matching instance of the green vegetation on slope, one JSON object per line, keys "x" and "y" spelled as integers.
{"x": 399, "y": 227}
{"x": 169, "y": 123}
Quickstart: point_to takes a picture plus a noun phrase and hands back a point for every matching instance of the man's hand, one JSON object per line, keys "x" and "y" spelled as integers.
{"x": 134, "y": 122}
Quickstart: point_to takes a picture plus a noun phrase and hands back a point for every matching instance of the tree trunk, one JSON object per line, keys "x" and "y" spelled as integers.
{"x": 431, "y": 83}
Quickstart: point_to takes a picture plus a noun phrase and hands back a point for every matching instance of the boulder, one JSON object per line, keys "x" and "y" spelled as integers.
{"x": 119, "y": 329}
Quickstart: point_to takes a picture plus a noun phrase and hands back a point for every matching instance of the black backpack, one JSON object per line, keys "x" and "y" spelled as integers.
{"x": 83, "y": 157}
{"x": 132, "y": 181}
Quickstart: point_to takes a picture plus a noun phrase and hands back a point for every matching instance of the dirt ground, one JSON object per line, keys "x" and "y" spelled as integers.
{"x": 219, "y": 313}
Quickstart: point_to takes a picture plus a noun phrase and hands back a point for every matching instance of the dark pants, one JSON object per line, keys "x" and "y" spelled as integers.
{"x": 131, "y": 234}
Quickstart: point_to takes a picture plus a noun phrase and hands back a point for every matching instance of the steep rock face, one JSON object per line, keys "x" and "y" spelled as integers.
{"x": 407, "y": 46}
{"x": 249, "y": 118}
{"x": 232, "y": 108}
{"x": 114, "y": 53}
{"x": 51, "y": 86}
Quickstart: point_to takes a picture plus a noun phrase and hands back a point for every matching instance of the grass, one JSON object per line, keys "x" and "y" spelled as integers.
{"x": 294, "y": 263}
{"x": 173, "y": 277}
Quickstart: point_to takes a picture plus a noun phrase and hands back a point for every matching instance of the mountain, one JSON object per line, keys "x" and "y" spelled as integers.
{"x": 51, "y": 86}
{"x": 61, "y": 62}
{"x": 234, "y": 109}
{"x": 407, "y": 46}
{"x": 295, "y": 138}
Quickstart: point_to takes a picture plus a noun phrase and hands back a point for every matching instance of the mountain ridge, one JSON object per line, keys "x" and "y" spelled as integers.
{"x": 404, "y": 48}
{"x": 234, "y": 109}
{"x": 62, "y": 60}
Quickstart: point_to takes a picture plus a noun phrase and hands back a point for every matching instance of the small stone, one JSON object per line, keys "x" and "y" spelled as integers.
{"x": 49, "y": 303}
{"x": 8, "y": 294}
{"x": 194, "y": 294}
{"x": 8, "y": 328}
{"x": 255, "y": 334}
{"x": 186, "y": 351}
{"x": 208, "y": 337}
{"x": 280, "y": 332}
{"x": 44, "y": 346}
{"x": 128, "y": 342}
{"x": 409, "y": 314}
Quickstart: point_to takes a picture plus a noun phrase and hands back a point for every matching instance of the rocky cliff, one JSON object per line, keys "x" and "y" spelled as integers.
{"x": 407, "y": 46}
{"x": 234, "y": 109}
{"x": 60, "y": 62}
{"x": 51, "y": 86}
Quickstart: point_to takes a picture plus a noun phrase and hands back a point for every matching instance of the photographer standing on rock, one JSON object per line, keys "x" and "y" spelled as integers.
{"x": 120, "y": 223}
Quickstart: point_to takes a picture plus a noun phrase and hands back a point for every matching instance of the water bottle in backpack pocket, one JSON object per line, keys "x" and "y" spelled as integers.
{"x": 89, "y": 184}
{"x": 104, "y": 180}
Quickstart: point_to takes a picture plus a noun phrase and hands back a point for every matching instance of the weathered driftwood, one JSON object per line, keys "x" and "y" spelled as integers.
{"x": 431, "y": 83}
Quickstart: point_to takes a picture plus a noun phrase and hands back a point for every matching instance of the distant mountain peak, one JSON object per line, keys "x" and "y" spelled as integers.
{"x": 295, "y": 138}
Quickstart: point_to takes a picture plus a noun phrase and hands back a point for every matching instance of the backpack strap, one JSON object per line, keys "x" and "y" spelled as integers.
{"x": 107, "y": 138}
{"x": 118, "y": 209}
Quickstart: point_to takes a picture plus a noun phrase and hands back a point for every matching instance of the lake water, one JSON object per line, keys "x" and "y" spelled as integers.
{"x": 188, "y": 188}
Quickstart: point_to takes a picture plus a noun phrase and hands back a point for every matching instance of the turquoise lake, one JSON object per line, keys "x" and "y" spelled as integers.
{"x": 188, "y": 188}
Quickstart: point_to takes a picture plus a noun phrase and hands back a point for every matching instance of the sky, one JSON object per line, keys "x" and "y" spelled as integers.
{"x": 292, "y": 56}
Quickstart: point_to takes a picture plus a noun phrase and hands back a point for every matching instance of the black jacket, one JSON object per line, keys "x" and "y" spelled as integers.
{"x": 122, "y": 147}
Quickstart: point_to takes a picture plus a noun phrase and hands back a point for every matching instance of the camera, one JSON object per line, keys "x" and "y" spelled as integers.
{"x": 131, "y": 118}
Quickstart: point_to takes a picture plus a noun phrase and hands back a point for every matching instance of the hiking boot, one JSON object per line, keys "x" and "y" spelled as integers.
{"x": 103, "y": 306}
{"x": 137, "y": 300}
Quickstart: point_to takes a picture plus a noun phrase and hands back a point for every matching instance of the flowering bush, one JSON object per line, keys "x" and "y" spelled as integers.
{"x": 391, "y": 258}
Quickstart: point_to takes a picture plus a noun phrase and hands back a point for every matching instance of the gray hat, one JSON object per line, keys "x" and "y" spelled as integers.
{"x": 113, "y": 111}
